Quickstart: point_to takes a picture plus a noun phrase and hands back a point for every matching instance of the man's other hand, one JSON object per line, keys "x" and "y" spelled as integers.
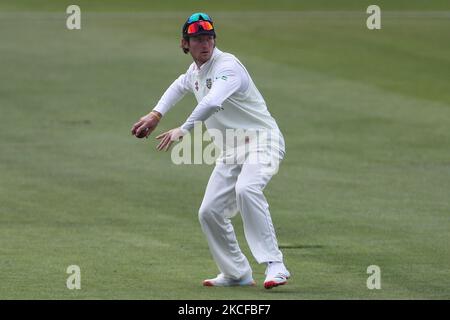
{"x": 167, "y": 138}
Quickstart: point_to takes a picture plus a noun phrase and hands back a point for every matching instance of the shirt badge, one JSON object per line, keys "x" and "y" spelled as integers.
{"x": 196, "y": 85}
{"x": 208, "y": 83}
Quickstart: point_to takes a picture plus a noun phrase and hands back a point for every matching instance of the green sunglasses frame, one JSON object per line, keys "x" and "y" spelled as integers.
{"x": 196, "y": 17}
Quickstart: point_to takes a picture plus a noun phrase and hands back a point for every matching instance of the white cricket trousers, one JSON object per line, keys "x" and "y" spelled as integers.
{"x": 232, "y": 188}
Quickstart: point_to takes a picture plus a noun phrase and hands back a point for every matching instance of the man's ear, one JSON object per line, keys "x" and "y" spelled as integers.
{"x": 184, "y": 45}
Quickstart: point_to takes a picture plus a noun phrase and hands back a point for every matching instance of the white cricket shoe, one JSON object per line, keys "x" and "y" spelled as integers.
{"x": 223, "y": 281}
{"x": 276, "y": 275}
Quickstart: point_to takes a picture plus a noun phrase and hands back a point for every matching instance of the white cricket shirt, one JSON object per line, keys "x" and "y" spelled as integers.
{"x": 226, "y": 95}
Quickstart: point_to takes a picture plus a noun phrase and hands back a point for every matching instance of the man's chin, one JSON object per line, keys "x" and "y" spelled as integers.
{"x": 204, "y": 58}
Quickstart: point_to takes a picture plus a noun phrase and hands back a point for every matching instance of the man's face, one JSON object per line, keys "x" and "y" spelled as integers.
{"x": 201, "y": 48}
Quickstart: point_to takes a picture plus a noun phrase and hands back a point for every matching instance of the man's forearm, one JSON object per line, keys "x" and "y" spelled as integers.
{"x": 200, "y": 113}
{"x": 221, "y": 90}
{"x": 171, "y": 96}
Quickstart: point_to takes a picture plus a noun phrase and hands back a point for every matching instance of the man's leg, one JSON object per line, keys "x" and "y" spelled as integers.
{"x": 258, "y": 227}
{"x": 218, "y": 206}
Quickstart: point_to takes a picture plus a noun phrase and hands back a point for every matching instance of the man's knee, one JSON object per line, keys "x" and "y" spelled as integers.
{"x": 206, "y": 213}
{"x": 244, "y": 191}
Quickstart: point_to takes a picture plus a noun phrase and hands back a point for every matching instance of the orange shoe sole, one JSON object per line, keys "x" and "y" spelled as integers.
{"x": 273, "y": 284}
{"x": 208, "y": 284}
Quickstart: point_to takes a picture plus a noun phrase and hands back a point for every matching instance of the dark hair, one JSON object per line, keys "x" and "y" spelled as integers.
{"x": 185, "y": 50}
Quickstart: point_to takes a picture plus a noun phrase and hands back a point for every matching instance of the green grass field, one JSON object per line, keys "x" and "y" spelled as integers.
{"x": 365, "y": 181}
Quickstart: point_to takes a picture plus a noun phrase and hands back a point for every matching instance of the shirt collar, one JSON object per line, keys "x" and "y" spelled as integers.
{"x": 206, "y": 65}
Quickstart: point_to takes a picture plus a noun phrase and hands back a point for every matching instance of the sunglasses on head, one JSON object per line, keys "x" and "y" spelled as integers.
{"x": 195, "y": 27}
{"x": 197, "y": 16}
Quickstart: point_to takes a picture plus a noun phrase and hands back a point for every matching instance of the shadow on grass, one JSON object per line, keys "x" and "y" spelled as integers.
{"x": 301, "y": 246}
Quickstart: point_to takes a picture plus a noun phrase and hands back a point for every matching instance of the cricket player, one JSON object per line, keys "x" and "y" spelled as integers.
{"x": 227, "y": 100}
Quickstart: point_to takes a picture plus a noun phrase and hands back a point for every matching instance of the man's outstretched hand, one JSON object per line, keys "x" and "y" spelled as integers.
{"x": 145, "y": 125}
{"x": 167, "y": 138}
